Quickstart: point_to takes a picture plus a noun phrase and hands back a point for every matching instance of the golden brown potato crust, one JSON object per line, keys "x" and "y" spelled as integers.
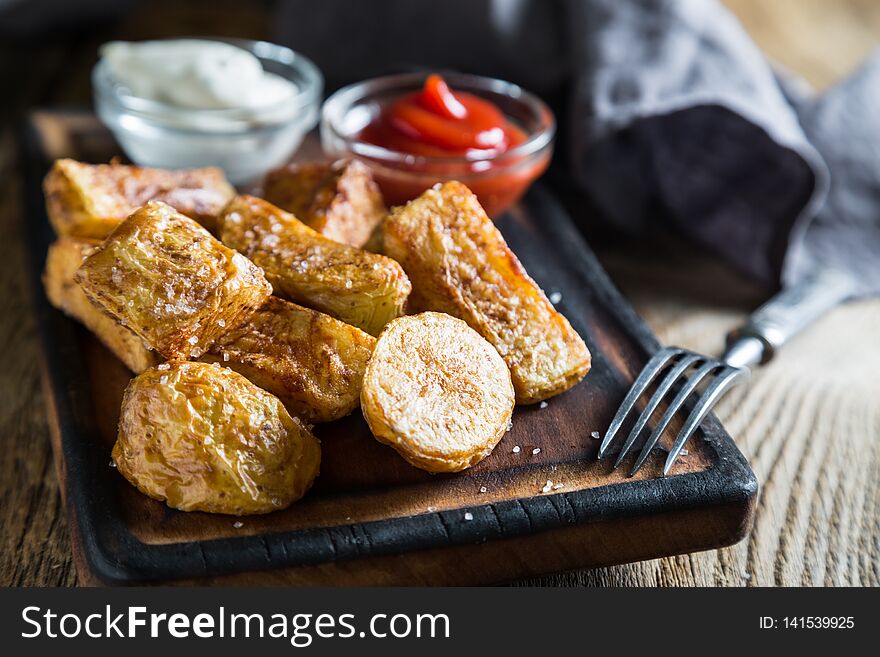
{"x": 459, "y": 263}
{"x": 437, "y": 392}
{"x": 339, "y": 200}
{"x": 90, "y": 200}
{"x": 360, "y": 288}
{"x": 203, "y": 438}
{"x": 65, "y": 256}
{"x": 164, "y": 277}
{"x": 313, "y": 363}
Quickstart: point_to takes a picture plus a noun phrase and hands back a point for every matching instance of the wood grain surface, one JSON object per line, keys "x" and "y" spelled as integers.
{"x": 809, "y": 422}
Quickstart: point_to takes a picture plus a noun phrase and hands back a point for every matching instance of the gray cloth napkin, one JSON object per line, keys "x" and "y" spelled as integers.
{"x": 844, "y": 127}
{"x": 678, "y": 118}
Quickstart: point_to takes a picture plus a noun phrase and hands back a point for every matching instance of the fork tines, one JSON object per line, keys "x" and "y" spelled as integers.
{"x": 685, "y": 371}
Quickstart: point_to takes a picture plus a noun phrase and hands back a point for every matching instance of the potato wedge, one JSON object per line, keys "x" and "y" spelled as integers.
{"x": 437, "y": 392}
{"x": 339, "y": 200}
{"x": 65, "y": 256}
{"x": 459, "y": 264}
{"x": 201, "y": 437}
{"x": 164, "y": 277}
{"x": 313, "y": 363}
{"x": 90, "y": 200}
{"x": 360, "y": 288}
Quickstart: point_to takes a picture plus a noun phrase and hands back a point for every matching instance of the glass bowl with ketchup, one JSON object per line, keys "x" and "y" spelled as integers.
{"x": 415, "y": 130}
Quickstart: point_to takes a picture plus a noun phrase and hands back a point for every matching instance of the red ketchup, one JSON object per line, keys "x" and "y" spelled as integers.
{"x": 462, "y": 129}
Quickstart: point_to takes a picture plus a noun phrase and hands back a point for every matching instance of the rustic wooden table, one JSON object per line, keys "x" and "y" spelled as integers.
{"x": 809, "y": 422}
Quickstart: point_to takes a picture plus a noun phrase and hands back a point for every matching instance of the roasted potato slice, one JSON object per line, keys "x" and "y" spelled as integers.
{"x": 459, "y": 264}
{"x": 363, "y": 289}
{"x": 90, "y": 200}
{"x": 201, "y": 437}
{"x": 65, "y": 256}
{"x": 437, "y": 392}
{"x": 339, "y": 200}
{"x": 313, "y": 363}
{"x": 164, "y": 277}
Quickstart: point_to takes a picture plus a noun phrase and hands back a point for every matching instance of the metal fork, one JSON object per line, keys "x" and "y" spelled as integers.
{"x": 755, "y": 343}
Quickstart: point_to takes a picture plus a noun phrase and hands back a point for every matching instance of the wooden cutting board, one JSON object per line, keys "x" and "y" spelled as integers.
{"x": 371, "y": 518}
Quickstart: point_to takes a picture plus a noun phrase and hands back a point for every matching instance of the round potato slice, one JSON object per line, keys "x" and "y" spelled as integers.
{"x": 203, "y": 438}
{"x": 437, "y": 392}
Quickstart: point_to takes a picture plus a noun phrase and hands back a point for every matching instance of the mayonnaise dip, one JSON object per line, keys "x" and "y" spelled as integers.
{"x": 196, "y": 74}
{"x": 194, "y": 102}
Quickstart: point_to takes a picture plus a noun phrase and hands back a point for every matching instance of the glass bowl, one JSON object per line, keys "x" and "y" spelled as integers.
{"x": 497, "y": 179}
{"x": 244, "y": 143}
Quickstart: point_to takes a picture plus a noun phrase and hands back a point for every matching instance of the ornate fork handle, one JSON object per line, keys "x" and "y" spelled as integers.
{"x": 786, "y": 315}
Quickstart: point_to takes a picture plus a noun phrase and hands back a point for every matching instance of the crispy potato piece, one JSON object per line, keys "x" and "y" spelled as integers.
{"x": 201, "y": 437}
{"x": 164, "y": 277}
{"x": 90, "y": 200}
{"x": 339, "y": 200}
{"x": 313, "y": 363}
{"x": 437, "y": 392}
{"x": 460, "y": 264}
{"x": 65, "y": 256}
{"x": 360, "y": 288}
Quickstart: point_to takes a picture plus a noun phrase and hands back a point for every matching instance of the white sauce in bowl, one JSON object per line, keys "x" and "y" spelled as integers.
{"x": 196, "y": 74}
{"x": 241, "y": 105}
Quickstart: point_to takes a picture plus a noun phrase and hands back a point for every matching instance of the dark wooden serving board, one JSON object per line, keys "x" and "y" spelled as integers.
{"x": 371, "y": 518}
